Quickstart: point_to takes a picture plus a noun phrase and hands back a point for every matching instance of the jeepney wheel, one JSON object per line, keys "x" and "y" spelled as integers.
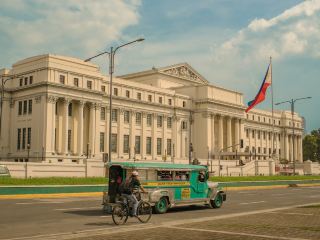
{"x": 161, "y": 206}
{"x": 217, "y": 201}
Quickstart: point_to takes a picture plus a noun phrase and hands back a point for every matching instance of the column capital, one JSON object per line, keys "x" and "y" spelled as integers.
{"x": 12, "y": 103}
{"x": 38, "y": 99}
{"x": 52, "y": 99}
{"x": 67, "y": 101}
{"x": 81, "y": 103}
{"x": 92, "y": 105}
{"x": 98, "y": 106}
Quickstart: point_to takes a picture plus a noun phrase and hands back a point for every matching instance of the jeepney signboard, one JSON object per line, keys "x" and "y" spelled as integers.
{"x": 185, "y": 193}
{"x": 166, "y": 184}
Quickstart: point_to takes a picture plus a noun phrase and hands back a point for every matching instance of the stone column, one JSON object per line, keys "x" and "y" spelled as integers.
{"x": 229, "y": 134}
{"x": 236, "y": 133}
{"x": 174, "y": 136}
{"x": 120, "y": 132}
{"x": 300, "y": 149}
{"x": 286, "y": 146}
{"x": 164, "y": 136}
{"x": 92, "y": 129}
{"x": 154, "y": 136}
{"x": 80, "y": 128}
{"x": 97, "y": 130}
{"x": 65, "y": 126}
{"x": 106, "y": 135}
{"x": 143, "y": 135}
{"x": 220, "y": 139}
{"x": 50, "y": 124}
{"x": 132, "y": 135}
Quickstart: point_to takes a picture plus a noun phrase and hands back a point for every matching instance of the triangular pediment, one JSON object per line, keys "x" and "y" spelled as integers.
{"x": 184, "y": 71}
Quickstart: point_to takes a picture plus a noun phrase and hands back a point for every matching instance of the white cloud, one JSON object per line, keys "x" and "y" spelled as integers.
{"x": 65, "y": 27}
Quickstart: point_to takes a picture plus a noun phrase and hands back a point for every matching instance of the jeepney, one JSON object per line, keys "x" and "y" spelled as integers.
{"x": 168, "y": 184}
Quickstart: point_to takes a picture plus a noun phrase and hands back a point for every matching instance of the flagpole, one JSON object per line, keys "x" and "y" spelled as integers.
{"x": 272, "y": 149}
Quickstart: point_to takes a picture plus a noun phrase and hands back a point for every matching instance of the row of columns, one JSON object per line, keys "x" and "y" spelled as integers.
{"x": 292, "y": 147}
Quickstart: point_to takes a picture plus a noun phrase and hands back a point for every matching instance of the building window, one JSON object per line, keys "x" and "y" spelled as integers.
{"x": 169, "y": 122}
{"x": 170, "y": 101}
{"x": 114, "y": 141}
{"x": 139, "y": 96}
{"x": 30, "y": 79}
{"x": 253, "y": 117}
{"x": 19, "y": 139}
{"x": 25, "y": 107}
{"x": 89, "y": 84}
{"x": 127, "y": 93}
{"x": 184, "y": 125}
{"x": 252, "y": 133}
{"x": 148, "y": 145}
{"x": 69, "y": 140}
{"x": 259, "y": 149}
{"x": 169, "y": 147}
{"x": 126, "y": 116}
{"x": 23, "y": 138}
{"x": 183, "y": 103}
{"x": 62, "y": 79}
{"x": 70, "y": 110}
{"x": 159, "y": 146}
{"x": 103, "y": 88}
{"x": 160, "y": 100}
{"x": 149, "y": 120}
{"x": 20, "y": 108}
{"x": 21, "y": 82}
{"x": 279, "y": 122}
{"x": 114, "y": 116}
{"x": 76, "y": 82}
{"x": 30, "y": 107}
{"x": 115, "y": 91}
{"x": 125, "y": 143}
{"x": 138, "y": 118}
{"x": 269, "y": 135}
{"x": 279, "y": 137}
{"x": 137, "y": 146}
{"x": 259, "y": 119}
{"x": 247, "y": 133}
{"x": 101, "y": 141}
{"x": 25, "y": 81}
{"x": 56, "y": 110}
{"x": 258, "y": 132}
{"x": 264, "y": 135}
{"x": 264, "y": 150}
{"x": 159, "y": 121}
{"x": 29, "y": 137}
{"x": 103, "y": 113}
{"x": 150, "y": 98}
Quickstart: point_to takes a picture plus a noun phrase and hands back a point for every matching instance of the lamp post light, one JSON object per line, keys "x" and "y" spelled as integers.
{"x": 111, "y": 71}
{"x": 292, "y": 102}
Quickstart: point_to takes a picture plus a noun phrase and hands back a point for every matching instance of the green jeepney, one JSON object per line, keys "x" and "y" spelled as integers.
{"x": 168, "y": 184}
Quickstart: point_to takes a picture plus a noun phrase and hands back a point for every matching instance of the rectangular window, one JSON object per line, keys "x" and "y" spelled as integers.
{"x": 25, "y": 107}
{"x": 25, "y": 81}
{"x": 115, "y": 91}
{"x": 69, "y": 140}
{"x": 169, "y": 147}
{"x": 30, "y": 79}
{"x": 29, "y": 137}
{"x": 126, "y": 116}
{"x": 30, "y": 107}
{"x": 258, "y": 132}
{"x": 125, "y": 143}
{"x": 127, "y": 93}
{"x": 150, "y": 98}
{"x": 114, "y": 115}
{"x": 23, "y": 138}
{"x": 114, "y": 143}
{"x": 76, "y": 82}
{"x": 139, "y": 96}
{"x": 21, "y": 82}
{"x": 149, "y": 120}
{"x": 62, "y": 79}
{"x": 103, "y": 88}
{"x": 159, "y": 121}
{"x": 247, "y": 133}
{"x": 160, "y": 99}
{"x": 20, "y": 108}
{"x": 279, "y": 137}
{"x": 264, "y": 135}
{"x": 169, "y": 122}
{"x": 148, "y": 147}
{"x": 137, "y": 145}
{"x": 252, "y": 133}
{"x": 103, "y": 113}
{"x": 184, "y": 104}
{"x": 259, "y": 149}
{"x": 264, "y": 150}
{"x": 89, "y": 84}
{"x": 138, "y": 118}
{"x": 159, "y": 146}
{"x": 70, "y": 110}
{"x": 184, "y": 125}
{"x": 19, "y": 139}
{"x": 101, "y": 141}
{"x": 269, "y": 136}
{"x": 170, "y": 101}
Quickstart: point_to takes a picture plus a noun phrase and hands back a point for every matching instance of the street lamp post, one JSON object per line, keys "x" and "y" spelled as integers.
{"x": 111, "y": 71}
{"x": 292, "y": 102}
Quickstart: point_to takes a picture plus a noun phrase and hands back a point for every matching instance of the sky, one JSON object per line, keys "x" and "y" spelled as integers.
{"x": 229, "y": 42}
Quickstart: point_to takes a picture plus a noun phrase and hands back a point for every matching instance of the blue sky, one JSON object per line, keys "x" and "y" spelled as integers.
{"x": 228, "y": 41}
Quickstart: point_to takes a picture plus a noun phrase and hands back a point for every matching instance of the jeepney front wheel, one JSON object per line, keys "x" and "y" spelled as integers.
{"x": 217, "y": 201}
{"x": 161, "y": 206}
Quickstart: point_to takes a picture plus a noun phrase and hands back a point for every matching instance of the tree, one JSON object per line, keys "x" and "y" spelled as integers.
{"x": 310, "y": 147}
{"x": 316, "y": 133}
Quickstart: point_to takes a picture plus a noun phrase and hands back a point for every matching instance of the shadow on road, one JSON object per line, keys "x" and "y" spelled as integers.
{"x": 88, "y": 212}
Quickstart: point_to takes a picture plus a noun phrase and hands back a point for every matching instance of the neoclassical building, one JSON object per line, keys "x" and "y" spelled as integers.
{"x": 56, "y": 109}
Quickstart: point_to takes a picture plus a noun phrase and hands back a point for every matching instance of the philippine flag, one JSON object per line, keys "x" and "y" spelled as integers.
{"x": 267, "y": 81}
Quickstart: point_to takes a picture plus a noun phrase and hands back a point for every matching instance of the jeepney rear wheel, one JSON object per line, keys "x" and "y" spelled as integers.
{"x": 161, "y": 206}
{"x": 217, "y": 201}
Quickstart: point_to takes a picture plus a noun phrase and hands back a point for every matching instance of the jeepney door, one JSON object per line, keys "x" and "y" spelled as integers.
{"x": 201, "y": 182}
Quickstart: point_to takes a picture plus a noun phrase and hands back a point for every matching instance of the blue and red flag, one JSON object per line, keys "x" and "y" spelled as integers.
{"x": 267, "y": 81}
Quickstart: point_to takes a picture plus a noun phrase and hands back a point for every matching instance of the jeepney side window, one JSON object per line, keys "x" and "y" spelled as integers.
{"x": 202, "y": 176}
{"x": 164, "y": 175}
{"x": 182, "y": 176}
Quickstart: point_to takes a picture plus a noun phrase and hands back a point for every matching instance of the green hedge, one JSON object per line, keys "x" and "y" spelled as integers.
{"x": 262, "y": 178}
{"x": 53, "y": 181}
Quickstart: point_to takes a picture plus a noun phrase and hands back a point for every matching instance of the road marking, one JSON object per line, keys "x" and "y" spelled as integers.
{"x": 236, "y": 233}
{"x": 83, "y": 208}
{"x": 300, "y": 214}
{"x": 246, "y": 203}
{"x": 32, "y": 203}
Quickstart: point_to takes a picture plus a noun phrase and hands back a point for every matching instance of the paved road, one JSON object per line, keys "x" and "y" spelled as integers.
{"x": 20, "y": 219}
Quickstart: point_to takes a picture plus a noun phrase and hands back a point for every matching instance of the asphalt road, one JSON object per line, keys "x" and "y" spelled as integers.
{"x": 45, "y": 218}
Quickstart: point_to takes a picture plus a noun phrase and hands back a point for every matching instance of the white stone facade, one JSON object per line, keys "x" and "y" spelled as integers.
{"x": 59, "y": 106}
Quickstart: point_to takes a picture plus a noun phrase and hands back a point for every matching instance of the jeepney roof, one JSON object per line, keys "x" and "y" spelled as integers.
{"x": 152, "y": 165}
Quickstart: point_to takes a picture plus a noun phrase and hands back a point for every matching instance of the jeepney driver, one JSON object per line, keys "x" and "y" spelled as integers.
{"x": 131, "y": 183}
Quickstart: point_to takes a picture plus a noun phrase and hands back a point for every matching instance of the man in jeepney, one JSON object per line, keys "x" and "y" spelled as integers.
{"x": 127, "y": 187}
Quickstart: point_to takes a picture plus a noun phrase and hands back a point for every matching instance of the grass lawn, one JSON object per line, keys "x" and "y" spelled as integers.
{"x": 262, "y": 178}
{"x": 53, "y": 181}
